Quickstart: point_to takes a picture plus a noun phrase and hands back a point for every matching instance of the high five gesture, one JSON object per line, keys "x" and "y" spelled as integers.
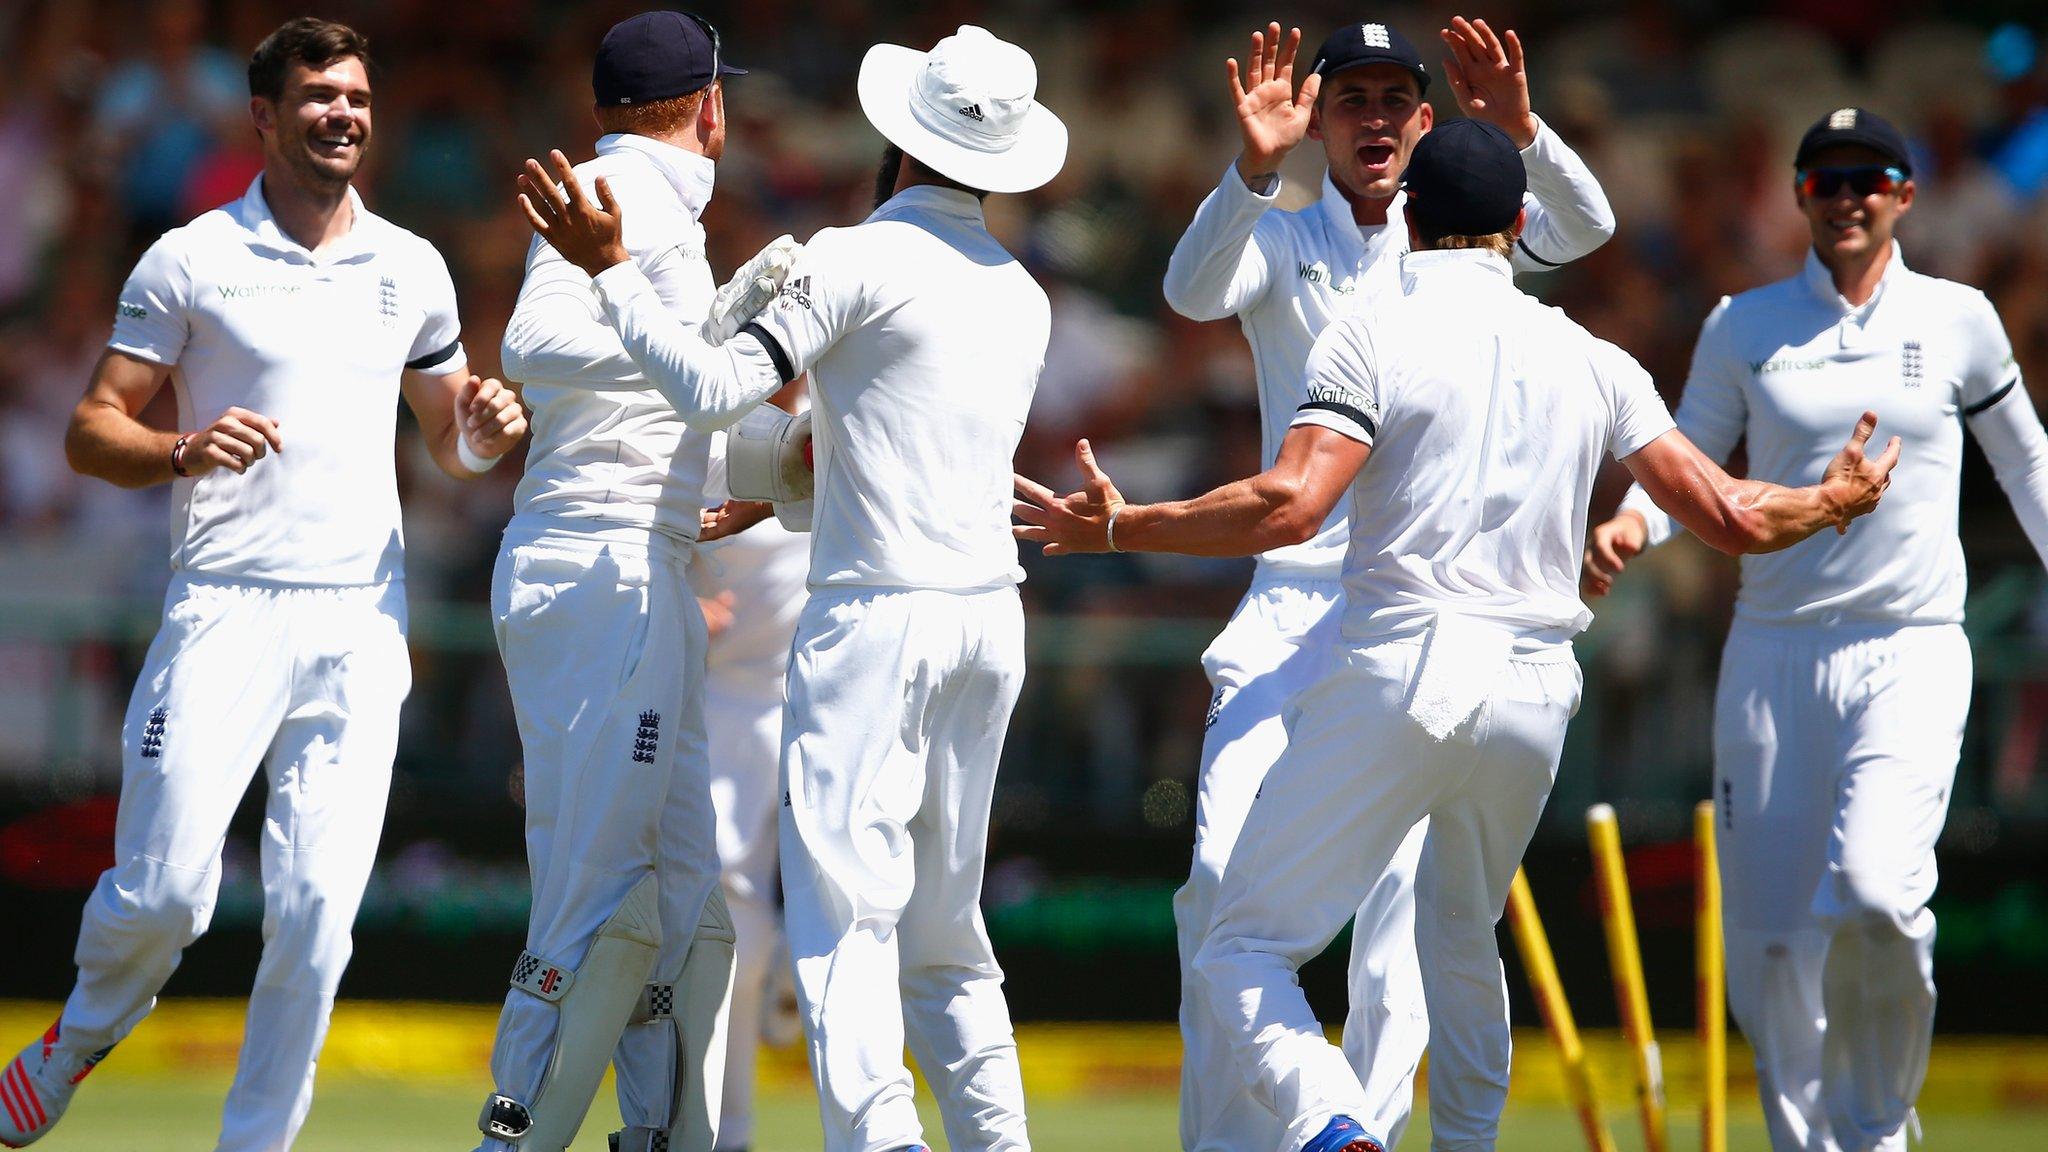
{"x": 1488, "y": 77}
{"x": 1271, "y": 116}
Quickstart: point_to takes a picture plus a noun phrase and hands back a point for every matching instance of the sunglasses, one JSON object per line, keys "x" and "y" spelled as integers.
{"x": 1864, "y": 180}
{"x": 717, "y": 53}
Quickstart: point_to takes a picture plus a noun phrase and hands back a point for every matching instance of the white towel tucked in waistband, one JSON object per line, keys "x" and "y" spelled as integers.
{"x": 1462, "y": 660}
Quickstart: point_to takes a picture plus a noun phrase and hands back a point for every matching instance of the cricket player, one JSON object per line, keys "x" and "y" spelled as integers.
{"x": 1846, "y": 677}
{"x": 923, "y": 339}
{"x": 754, "y": 583}
{"x": 1467, "y": 422}
{"x": 287, "y": 323}
{"x": 1285, "y": 276}
{"x": 629, "y": 951}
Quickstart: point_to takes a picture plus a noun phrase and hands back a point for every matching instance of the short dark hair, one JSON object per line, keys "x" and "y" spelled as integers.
{"x": 306, "y": 40}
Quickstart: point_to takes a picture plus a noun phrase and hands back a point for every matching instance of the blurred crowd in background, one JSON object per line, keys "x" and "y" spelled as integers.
{"x": 122, "y": 118}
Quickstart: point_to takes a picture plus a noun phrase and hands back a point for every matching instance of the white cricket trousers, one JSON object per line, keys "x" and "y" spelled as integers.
{"x": 898, "y": 703}
{"x": 306, "y": 682}
{"x": 1279, "y": 642}
{"x": 603, "y": 646}
{"x": 1834, "y": 752}
{"x": 1356, "y": 776}
{"x": 743, "y": 716}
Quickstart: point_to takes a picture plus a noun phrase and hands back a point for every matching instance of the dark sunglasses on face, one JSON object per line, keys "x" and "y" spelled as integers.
{"x": 1864, "y": 180}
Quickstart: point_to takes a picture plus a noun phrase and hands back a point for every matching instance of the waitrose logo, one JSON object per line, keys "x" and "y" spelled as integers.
{"x": 258, "y": 291}
{"x": 1762, "y": 366}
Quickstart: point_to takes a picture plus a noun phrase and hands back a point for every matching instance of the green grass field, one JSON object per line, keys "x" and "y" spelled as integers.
{"x": 159, "y": 1113}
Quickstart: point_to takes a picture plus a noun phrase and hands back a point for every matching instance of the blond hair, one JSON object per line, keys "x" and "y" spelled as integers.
{"x": 1501, "y": 244}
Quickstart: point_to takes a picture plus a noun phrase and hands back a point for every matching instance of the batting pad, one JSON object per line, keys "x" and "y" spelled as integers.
{"x": 595, "y": 1001}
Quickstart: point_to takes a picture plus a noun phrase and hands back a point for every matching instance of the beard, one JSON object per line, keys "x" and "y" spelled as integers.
{"x": 885, "y": 175}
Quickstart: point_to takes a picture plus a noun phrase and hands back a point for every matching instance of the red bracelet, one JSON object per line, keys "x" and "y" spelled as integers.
{"x": 178, "y": 456}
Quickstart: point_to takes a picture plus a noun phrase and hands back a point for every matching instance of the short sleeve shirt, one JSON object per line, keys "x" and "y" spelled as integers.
{"x": 246, "y": 317}
{"x": 1488, "y": 416}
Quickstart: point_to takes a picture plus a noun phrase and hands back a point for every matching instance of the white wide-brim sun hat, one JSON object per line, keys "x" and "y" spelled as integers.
{"x": 965, "y": 110}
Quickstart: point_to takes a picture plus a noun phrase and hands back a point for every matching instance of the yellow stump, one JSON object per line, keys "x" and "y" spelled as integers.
{"x": 1712, "y": 982}
{"x": 1625, "y": 958}
{"x": 1534, "y": 946}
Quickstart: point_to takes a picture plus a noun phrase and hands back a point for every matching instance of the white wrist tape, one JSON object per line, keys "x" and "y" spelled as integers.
{"x": 469, "y": 457}
{"x": 767, "y": 456}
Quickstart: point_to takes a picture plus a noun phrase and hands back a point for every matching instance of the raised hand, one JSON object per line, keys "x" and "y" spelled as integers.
{"x": 1271, "y": 116}
{"x": 234, "y": 442}
{"x": 490, "y": 416}
{"x": 1609, "y": 548}
{"x": 1075, "y": 523}
{"x": 1488, "y": 78}
{"x": 1855, "y": 481}
{"x": 587, "y": 234}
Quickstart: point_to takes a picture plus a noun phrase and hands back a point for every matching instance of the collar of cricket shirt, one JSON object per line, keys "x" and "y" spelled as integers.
{"x": 932, "y": 198}
{"x": 1854, "y": 318}
{"x": 252, "y": 211}
{"x": 689, "y": 173}
{"x": 1364, "y": 248}
{"x": 1454, "y": 261}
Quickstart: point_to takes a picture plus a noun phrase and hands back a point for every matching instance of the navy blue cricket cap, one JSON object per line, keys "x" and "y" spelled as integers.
{"x": 656, "y": 56}
{"x": 1356, "y": 44}
{"x": 1854, "y": 126}
{"x": 1465, "y": 178}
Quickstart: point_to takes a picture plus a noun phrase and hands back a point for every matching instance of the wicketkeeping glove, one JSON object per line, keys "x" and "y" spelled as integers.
{"x": 751, "y": 289}
{"x": 768, "y": 456}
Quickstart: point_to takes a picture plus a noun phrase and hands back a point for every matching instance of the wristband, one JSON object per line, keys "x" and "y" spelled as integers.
{"x": 470, "y": 459}
{"x": 178, "y": 457}
{"x": 1109, "y": 530}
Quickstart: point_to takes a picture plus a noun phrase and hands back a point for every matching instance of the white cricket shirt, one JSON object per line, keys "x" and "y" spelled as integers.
{"x": 924, "y": 340}
{"x": 247, "y": 317}
{"x": 1488, "y": 415}
{"x": 1286, "y": 275}
{"x": 606, "y": 448}
{"x": 1792, "y": 366}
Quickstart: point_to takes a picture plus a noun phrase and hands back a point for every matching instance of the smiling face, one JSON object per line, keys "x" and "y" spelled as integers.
{"x": 317, "y": 128}
{"x": 1369, "y": 119}
{"x": 1846, "y": 225}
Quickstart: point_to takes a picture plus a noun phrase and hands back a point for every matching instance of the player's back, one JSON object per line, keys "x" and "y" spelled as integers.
{"x": 1493, "y": 413}
{"x": 614, "y": 456}
{"x": 924, "y": 339}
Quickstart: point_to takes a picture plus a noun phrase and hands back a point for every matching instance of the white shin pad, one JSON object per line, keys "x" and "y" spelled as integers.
{"x": 593, "y": 1005}
{"x": 696, "y": 1007}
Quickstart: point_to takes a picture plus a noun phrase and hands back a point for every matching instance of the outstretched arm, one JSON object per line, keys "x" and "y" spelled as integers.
{"x": 1283, "y": 505}
{"x": 1751, "y": 516}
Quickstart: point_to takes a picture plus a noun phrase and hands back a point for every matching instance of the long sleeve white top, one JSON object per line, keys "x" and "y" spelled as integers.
{"x": 1287, "y": 274}
{"x": 1792, "y": 365}
{"x": 607, "y": 449}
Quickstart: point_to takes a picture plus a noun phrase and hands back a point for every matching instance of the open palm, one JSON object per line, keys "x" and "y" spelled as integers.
{"x": 1271, "y": 116}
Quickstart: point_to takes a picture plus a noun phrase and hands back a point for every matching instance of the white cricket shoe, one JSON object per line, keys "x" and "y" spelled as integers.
{"x": 37, "y": 1087}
